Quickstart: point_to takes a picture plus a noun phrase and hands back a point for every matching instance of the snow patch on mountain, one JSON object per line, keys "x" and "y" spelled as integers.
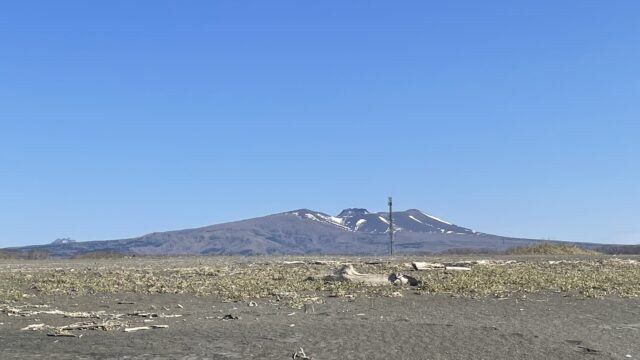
{"x": 436, "y": 219}
{"x": 362, "y": 221}
{"x": 413, "y": 218}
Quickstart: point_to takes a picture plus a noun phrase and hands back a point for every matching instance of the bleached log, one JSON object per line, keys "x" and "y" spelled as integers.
{"x": 133, "y": 329}
{"x": 457, "y": 268}
{"x": 34, "y": 327}
{"x": 426, "y": 265}
{"x": 348, "y": 273}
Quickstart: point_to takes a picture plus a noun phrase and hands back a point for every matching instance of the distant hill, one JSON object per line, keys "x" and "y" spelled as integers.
{"x": 62, "y": 241}
{"x": 303, "y": 231}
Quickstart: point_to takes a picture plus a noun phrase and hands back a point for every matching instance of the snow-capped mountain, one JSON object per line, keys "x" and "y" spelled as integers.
{"x": 361, "y": 220}
{"x": 352, "y": 231}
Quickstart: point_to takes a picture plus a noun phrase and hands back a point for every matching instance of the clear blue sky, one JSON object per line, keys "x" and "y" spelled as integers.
{"x": 119, "y": 118}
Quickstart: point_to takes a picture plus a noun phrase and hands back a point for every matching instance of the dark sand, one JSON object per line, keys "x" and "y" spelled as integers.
{"x": 542, "y": 326}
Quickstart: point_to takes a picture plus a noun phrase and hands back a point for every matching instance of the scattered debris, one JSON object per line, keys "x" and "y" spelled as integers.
{"x": 253, "y": 303}
{"x": 300, "y": 355}
{"x": 323, "y": 262}
{"x": 180, "y": 306}
{"x": 21, "y": 311}
{"x": 62, "y": 330}
{"x": 106, "y": 326}
{"x": 588, "y": 350}
{"x": 143, "y": 314}
{"x": 400, "y": 279}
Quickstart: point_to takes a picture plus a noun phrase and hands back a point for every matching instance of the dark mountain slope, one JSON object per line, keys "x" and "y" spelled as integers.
{"x": 353, "y": 231}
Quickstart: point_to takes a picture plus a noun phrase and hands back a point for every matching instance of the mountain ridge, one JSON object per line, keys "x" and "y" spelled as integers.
{"x": 302, "y": 231}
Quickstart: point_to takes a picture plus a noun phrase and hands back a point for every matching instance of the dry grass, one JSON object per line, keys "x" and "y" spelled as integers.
{"x": 8, "y": 254}
{"x": 239, "y": 280}
{"x": 100, "y": 254}
{"x": 587, "y": 278}
{"x": 550, "y": 248}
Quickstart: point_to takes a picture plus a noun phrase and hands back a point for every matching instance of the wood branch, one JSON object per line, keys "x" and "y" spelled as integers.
{"x": 426, "y": 265}
{"x": 457, "y": 268}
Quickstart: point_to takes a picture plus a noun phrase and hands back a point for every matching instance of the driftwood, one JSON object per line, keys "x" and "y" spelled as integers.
{"x": 431, "y": 266}
{"x": 16, "y": 311}
{"x": 61, "y": 334}
{"x": 62, "y": 330}
{"x": 348, "y": 273}
{"x": 24, "y": 312}
{"x": 457, "y": 268}
{"x": 323, "y": 262}
{"x": 137, "y": 328}
{"x": 133, "y": 329}
{"x": 310, "y": 262}
{"x": 426, "y": 265}
{"x": 106, "y": 326}
{"x": 152, "y": 315}
{"x": 301, "y": 355}
{"x": 34, "y": 327}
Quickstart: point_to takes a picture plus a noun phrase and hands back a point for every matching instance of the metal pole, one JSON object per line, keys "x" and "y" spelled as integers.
{"x": 391, "y": 225}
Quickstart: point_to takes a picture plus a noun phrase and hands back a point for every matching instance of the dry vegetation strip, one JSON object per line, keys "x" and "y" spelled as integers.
{"x": 299, "y": 284}
{"x": 550, "y": 248}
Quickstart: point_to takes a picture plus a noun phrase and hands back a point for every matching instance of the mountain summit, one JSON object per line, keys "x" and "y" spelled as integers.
{"x": 361, "y": 220}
